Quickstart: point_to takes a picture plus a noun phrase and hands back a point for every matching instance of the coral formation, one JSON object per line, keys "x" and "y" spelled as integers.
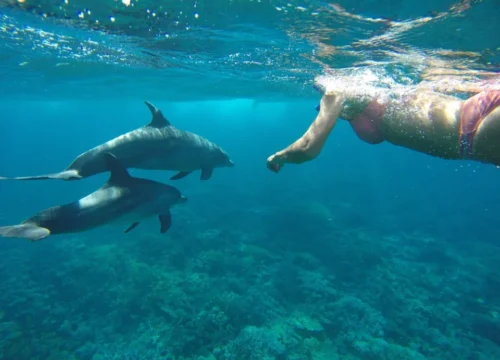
{"x": 222, "y": 293}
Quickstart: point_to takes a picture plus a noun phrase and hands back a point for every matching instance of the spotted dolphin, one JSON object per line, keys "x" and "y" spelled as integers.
{"x": 157, "y": 146}
{"x": 122, "y": 199}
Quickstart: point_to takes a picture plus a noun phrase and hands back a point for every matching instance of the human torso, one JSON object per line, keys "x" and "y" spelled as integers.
{"x": 426, "y": 122}
{"x": 422, "y": 121}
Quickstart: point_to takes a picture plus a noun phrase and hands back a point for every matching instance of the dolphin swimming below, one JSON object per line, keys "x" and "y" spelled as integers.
{"x": 156, "y": 146}
{"x": 122, "y": 199}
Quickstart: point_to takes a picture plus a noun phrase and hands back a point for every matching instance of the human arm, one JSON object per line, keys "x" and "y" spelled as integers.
{"x": 309, "y": 145}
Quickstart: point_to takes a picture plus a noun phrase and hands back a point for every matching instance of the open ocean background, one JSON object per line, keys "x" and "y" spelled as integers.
{"x": 366, "y": 253}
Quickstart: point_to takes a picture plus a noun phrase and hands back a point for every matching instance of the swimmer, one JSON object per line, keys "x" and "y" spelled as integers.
{"x": 416, "y": 118}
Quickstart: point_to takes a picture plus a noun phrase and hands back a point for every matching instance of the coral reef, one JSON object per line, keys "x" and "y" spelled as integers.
{"x": 216, "y": 291}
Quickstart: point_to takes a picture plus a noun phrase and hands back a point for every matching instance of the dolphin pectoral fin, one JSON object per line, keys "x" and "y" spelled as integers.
{"x": 206, "y": 173}
{"x": 26, "y": 231}
{"x": 132, "y": 227}
{"x": 165, "y": 222}
{"x": 63, "y": 175}
{"x": 180, "y": 175}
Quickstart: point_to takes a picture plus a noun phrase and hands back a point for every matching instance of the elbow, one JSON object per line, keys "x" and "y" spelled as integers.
{"x": 308, "y": 151}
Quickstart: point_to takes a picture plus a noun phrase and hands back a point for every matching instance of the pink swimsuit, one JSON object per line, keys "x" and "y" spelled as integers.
{"x": 472, "y": 114}
{"x": 367, "y": 124}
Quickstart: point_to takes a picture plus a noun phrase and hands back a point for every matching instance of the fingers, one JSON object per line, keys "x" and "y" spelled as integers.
{"x": 273, "y": 167}
{"x": 274, "y": 163}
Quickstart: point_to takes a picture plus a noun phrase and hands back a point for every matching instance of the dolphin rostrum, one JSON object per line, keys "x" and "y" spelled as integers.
{"x": 122, "y": 199}
{"x": 156, "y": 146}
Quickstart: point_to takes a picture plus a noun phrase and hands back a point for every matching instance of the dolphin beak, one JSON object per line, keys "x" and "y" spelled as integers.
{"x": 183, "y": 199}
{"x": 231, "y": 163}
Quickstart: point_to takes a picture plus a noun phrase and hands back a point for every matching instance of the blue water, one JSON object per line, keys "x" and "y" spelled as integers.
{"x": 366, "y": 253}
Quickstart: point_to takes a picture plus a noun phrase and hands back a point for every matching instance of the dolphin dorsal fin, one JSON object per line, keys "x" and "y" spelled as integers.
{"x": 118, "y": 172}
{"x": 158, "y": 120}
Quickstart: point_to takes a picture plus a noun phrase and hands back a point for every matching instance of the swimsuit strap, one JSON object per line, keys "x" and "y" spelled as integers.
{"x": 474, "y": 110}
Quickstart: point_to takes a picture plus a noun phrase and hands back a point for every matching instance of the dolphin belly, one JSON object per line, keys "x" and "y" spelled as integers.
{"x": 179, "y": 158}
{"x": 141, "y": 151}
{"x": 63, "y": 219}
{"x": 163, "y": 153}
{"x": 73, "y": 219}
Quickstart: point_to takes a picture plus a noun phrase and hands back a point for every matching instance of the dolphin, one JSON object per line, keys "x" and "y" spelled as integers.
{"x": 156, "y": 146}
{"x": 122, "y": 199}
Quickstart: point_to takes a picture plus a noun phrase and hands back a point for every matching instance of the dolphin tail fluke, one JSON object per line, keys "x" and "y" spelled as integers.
{"x": 26, "y": 231}
{"x": 63, "y": 175}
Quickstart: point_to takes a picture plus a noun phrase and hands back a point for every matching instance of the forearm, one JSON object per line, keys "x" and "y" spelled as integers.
{"x": 309, "y": 145}
{"x": 315, "y": 137}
